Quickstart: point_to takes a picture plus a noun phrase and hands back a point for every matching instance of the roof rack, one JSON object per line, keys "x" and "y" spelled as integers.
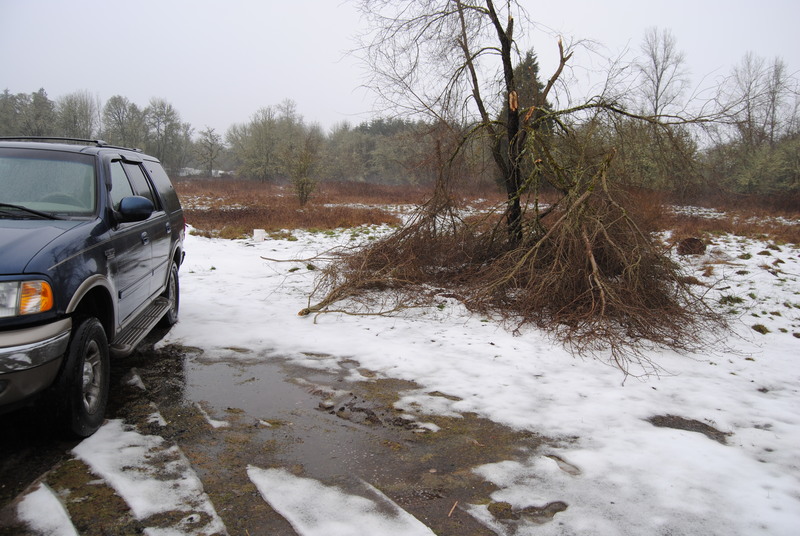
{"x": 97, "y": 143}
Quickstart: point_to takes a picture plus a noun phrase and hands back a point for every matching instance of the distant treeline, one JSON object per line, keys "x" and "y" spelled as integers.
{"x": 754, "y": 150}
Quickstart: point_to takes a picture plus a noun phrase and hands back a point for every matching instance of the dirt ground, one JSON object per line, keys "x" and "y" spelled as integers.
{"x": 313, "y": 423}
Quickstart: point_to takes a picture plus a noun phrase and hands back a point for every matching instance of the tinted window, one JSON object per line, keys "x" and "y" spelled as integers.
{"x": 141, "y": 186}
{"x": 164, "y": 185}
{"x": 120, "y": 186}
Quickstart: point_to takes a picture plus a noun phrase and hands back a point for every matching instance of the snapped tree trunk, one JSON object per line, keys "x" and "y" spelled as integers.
{"x": 509, "y": 162}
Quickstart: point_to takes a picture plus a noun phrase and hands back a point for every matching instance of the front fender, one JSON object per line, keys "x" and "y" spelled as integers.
{"x": 98, "y": 295}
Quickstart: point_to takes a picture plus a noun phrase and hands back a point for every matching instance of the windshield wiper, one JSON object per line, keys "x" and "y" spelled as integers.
{"x": 44, "y": 215}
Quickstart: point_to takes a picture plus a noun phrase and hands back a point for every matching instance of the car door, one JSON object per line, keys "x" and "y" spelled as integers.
{"x": 157, "y": 226}
{"x": 131, "y": 254}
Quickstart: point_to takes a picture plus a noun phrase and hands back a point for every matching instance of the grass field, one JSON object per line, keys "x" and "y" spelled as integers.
{"x": 230, "y": 208}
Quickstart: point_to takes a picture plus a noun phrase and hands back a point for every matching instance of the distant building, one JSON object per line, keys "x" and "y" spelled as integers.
{"x": 194, "y": 172}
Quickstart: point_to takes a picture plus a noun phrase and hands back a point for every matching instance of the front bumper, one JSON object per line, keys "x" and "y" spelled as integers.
{"x": 30, "y": 359}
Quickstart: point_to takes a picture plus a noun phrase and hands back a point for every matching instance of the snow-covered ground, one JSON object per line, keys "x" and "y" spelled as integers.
{"x": 616, "y": 472}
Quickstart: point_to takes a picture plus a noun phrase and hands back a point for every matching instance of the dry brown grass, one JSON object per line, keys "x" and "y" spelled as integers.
{"x": 375, "y": 194}
{"x": 762, "y": 218}
{"x": 753, "y": 223}
{"x": 231, "y": 208}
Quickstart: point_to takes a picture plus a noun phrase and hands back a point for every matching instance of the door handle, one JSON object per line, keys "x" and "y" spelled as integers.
{"x": 145, "y": 238}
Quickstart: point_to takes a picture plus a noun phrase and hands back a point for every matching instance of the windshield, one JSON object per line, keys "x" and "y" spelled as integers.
{"x": 34, "y": 183}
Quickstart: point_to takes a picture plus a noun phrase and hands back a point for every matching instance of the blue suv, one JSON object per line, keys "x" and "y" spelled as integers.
{"x": 91, "y": 240}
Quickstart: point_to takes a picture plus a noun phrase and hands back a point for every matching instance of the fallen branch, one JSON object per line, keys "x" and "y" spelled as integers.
{"x": 450, "y": 513}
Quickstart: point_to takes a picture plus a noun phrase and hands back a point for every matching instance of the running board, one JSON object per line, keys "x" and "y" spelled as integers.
{"x": 132, "y": 335}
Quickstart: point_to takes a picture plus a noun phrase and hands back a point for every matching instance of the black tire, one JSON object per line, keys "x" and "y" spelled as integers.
{"x": 173, "y": 294}
{"x": 82, "y": 387}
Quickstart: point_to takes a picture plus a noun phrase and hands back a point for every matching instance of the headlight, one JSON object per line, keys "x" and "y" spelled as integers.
{"x": 9, "y": 298}
{"x": 25, "y": 297}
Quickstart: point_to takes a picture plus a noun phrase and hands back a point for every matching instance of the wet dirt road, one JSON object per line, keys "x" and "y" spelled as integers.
{"x": 236, "y": 410}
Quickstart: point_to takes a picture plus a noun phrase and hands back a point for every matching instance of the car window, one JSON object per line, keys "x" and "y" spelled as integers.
{"x": 120, "y": 186}
{"x": 48, "y": 181}
{"x": 166, "y": 191}
{"x": 141, "y": 186}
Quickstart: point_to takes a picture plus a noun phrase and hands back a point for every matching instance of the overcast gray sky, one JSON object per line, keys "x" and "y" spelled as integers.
{"x": 218, "y": 61}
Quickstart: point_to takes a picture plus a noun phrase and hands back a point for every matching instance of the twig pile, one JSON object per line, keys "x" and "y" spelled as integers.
{"x": 583, "y": 271}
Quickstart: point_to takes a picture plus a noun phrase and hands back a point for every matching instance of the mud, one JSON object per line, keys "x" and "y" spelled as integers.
{"x": 689, "y": 425}
{"x": 236, "y": 409}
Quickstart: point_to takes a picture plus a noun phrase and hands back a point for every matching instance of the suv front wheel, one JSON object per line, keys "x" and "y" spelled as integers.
{"x": 82, "y": 388}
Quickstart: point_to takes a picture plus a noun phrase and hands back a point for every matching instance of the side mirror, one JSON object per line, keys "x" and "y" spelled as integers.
{"x": 135, "y": 208}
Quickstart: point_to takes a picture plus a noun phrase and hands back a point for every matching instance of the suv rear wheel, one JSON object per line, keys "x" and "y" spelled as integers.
{"x": 173, "y": 294}
{"x": 82, "y": 388}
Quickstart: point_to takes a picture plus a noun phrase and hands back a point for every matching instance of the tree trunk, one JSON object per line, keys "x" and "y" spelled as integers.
{"x": 509, "y": 163}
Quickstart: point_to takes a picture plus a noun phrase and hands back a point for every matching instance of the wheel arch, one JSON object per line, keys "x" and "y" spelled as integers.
{"x": 95, "y": 298}
{"x": 178, "y": 255}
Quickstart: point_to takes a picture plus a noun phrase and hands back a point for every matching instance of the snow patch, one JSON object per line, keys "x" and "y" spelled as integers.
{"x": 151, "y": 476}
{"x": 44, "y": 513}
{"x": 316, "y": 509}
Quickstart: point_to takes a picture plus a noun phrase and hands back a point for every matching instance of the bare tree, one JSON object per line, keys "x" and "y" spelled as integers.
{"x": 208, "y": 149}
{"x": 453, "y": 62}
{"x": 78, "y": 115}
{"x": 164, "y": 131}
{"x": 578, "y": 266}
{"x": 300, "y": 158}
{"x": 761, "y": 97}
{"x": 658, "y": 155}
{"x": 184, "y": 146}
{"x": 123, "y": 122}
{"x": 757, "y": 151}
{"x": 254, "y": 146}
{"x": 299, "y": 146}
{"x": 663, "y": 72}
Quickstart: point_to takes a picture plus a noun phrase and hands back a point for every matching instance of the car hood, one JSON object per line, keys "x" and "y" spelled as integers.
{"x": 21, "y": 240}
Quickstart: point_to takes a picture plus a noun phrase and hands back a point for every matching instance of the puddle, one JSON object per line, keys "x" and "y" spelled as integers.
{"x": 296, "y": 415}
{"x": 235, "y": 410}
{"x": 260, "y": 390}
{"x": 322, "y": 426}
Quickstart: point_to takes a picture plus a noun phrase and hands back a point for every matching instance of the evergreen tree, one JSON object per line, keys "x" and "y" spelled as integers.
{"x": 38, "y": 114}
{"x": 9, "y": 114}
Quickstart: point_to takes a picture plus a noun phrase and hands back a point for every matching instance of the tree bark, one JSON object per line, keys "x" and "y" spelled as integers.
{"x": 510, "y": 162}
